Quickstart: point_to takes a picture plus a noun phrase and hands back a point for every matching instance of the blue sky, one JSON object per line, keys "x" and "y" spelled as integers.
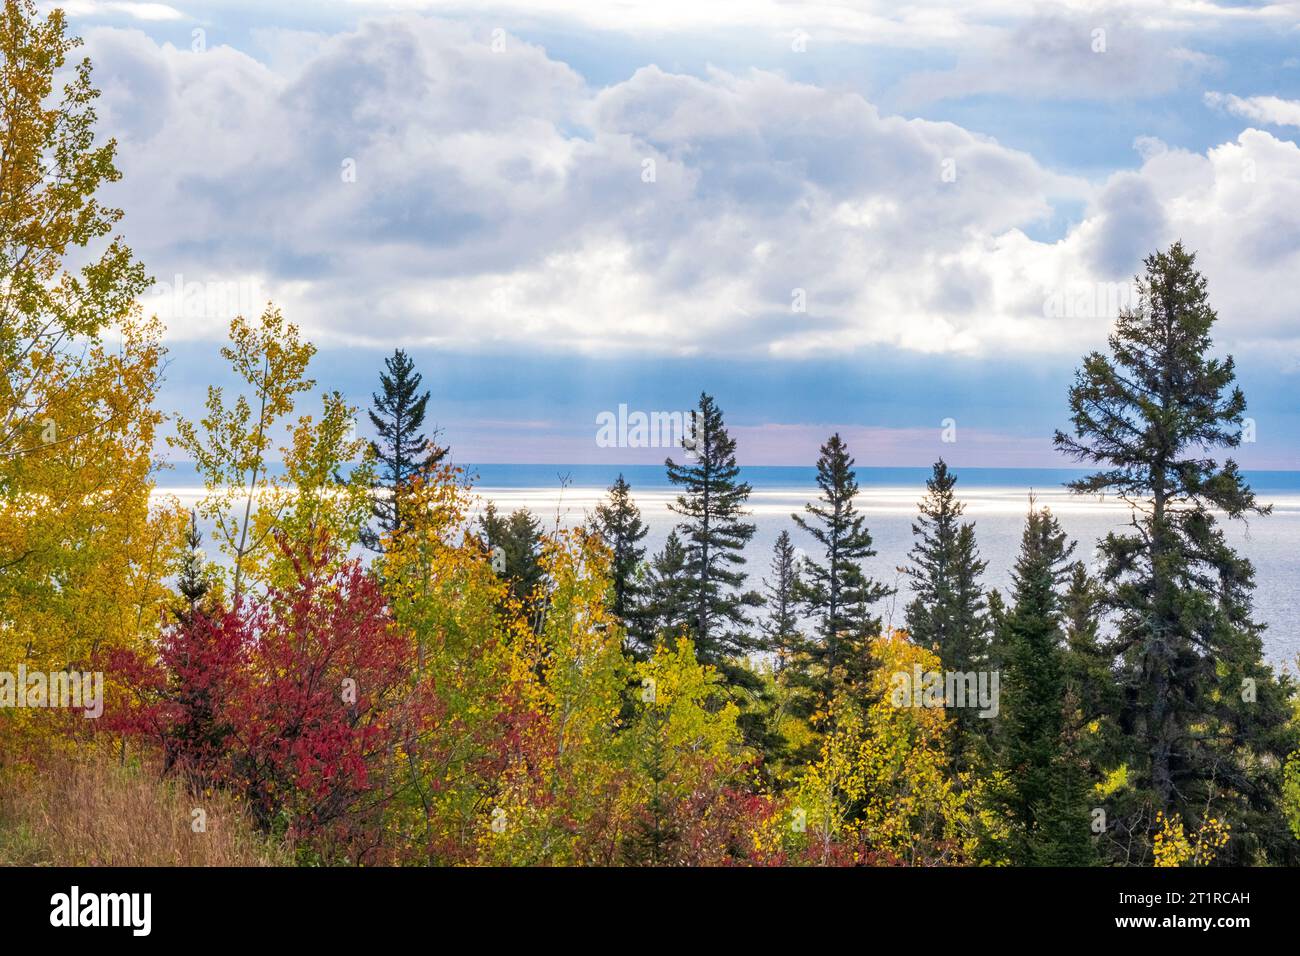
{"x": 868, "y": 217}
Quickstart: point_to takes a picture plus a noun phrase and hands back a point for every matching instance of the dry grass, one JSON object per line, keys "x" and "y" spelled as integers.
{"x": 88, "y": 811}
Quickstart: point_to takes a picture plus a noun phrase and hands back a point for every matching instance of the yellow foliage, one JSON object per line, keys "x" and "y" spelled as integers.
{"x": 1172, "y": 847}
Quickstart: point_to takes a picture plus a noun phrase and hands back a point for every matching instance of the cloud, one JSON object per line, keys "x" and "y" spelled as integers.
{"x": 423, "y": 182}
{"x": 919, "y": 23}
{"x": 1260, "y": 109}
{"x": 101, "y": 8}
{"x": 1074, "y": 54}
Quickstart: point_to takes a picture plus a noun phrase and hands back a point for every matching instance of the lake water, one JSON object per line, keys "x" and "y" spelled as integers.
{"x": 996, "y": 500}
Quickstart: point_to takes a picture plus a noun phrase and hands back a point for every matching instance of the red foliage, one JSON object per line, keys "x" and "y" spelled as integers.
{"x": 294, "y": 702}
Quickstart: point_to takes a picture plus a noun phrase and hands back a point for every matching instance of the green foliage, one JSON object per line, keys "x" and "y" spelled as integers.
{"x": 834, "y": 588}
{"x": 1046, "y": 788}
{"x": 403, "y": 450}
{"x": 618, "y": 522}
{"x": 1204, "y": 718}
{"x": 715, "y": 533}
{"x": 947, "y": 613}
{"x": 514, "y": 543}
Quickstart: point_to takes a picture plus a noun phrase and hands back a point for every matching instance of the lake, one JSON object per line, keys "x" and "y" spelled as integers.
{"x": 996, "y": 499}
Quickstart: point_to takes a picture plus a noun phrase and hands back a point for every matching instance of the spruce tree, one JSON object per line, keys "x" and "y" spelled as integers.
{"x": 713, "y": 529}
{"x": 781, "y": 627}
{"x": 515, "y": 544}
{"x": 1091, "y": 693}
{"x": 835, "y": 589}
{"x": 947, "y": 610}
{"x": 653, "y": 832}
{"x": 618, "y": 522}
{"x": 193, "y": 581}
{"x": 1207, "y": 718}
{"x": 1046, "y": 785}
{"x": 669, "y": 607}
{"x": 402, "y": 451}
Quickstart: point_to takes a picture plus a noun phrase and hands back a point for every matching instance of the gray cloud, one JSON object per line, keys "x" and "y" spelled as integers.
{"x": 500, "y": 202}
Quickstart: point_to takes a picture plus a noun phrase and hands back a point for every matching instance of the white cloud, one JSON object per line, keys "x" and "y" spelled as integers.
{"x": 916, "y": 23}
{"x": 500, "y": 203}
{"x": 1043, "y": 49}
{"x": 98, "y": 8}
{"x": 1260, "y": 109}
{"x": 1066, "y": 53}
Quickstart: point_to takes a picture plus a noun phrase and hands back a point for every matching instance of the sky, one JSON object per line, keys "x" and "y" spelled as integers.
{"x": 903, "y": 221}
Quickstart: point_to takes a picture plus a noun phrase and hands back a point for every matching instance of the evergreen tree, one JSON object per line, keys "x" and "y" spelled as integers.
{"x": 193, "y": 581}
{"x": 789, "y": 694}
{"x": 781, "y": 628}
{"x": 1090, "y": 684}
{"x": 618, "y": 522}
{"x": 715, "y": 533}
{"x": 1207, "y": 718}
{"x": 946, "y": 613}
{"x": 654, "y": 833}
{"x": 669, "y": 607}
{"x": 403, "y": 451}
{"x": 835, "y": 589}
{"x": 1046, "y": 785}
{"x": 515, "y": 544}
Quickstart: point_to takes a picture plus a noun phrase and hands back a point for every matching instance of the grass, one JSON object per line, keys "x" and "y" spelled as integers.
{"x": 88, "y": 811}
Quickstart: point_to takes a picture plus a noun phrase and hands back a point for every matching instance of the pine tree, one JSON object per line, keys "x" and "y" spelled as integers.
{"x": 618, "y": 522}
{"x": 653, "y": 832}
{"x": 947, "y": 613}
{"x": 1046, "y": 785}
{"x": 193, "y": 582}
{"x": 835, "y": 589}
{"x": 781, "y": 627}
{"x": 715, "y": 534}
{"x": 1208, "y": 719}
{"x": 515, "y": 544}
{"x": 669, "y": 607}
{"x": 403, "y": 451}
{"x": 1089, "y": 682}
{"x": 791, "y": 693}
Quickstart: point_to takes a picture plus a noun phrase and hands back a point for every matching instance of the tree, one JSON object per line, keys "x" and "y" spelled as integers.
{"x": 514, "y": 544}
{"x": 231, "y": 451}
{"x": 441, "y": 590}
{"x": 946, "y": 612}
{"x": 1207, "y": 717}
{"x": 1092, "y": 698}
{"x": 835, "y": 589}
{"x": 193, "y": 583}
{"x": 781, "y": 628}
{"x": 557, "y": 797}
{"x": 668, "y": 607}
{"x": 684, "y": 757}
{"x": 715, "y": 533}
{"x": 1046, "y": 789}
{"x": 618, "y": 522}
{"x": 50, "y": 170}
{"x": 84, "y": 548}
{"x": 881, "y": 789}
{"x": 789, "y": 692}
{"x": 310, "y": 507}
{"x": 403, "y": 451}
